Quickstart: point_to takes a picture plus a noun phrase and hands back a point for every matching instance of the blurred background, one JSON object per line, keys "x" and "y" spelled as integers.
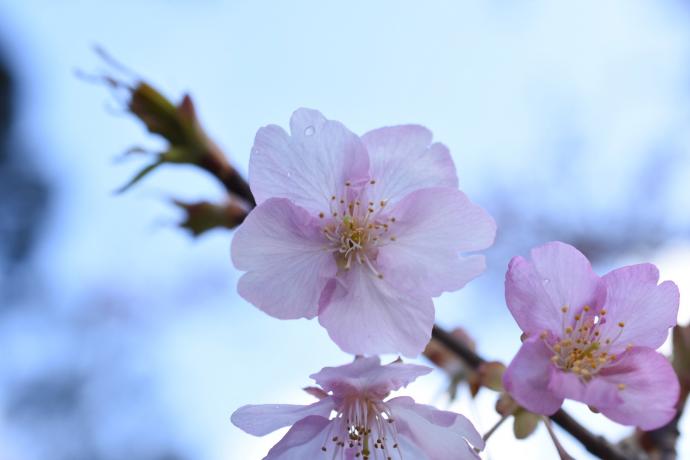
{"x": 122, "y": 337}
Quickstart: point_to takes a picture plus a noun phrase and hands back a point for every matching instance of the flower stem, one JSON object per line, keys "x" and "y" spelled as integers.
{"x": 559, "y": 447}
{"x": 493, "y": 429}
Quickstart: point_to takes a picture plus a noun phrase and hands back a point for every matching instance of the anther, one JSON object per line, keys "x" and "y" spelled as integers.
{"x": 321, "y": 215}
{"x": 564, "y": 309}
{"x": 621, "y": 324}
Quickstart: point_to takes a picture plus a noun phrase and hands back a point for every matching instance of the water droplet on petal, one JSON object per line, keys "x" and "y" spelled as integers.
{"x": 546, "y": 281}
{"x": 309, "y": 131}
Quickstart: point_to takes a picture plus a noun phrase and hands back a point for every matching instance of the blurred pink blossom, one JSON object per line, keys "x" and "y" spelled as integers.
{"x": 362, "y": 232}
{"x": 365, "y": 425}
{"x": 592, "y": 339}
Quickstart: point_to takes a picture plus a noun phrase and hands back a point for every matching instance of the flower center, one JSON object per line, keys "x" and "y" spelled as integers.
{"x": 356, "y": 227}
{"x": 365, "y": 429}
{"x": 582, "y": 349}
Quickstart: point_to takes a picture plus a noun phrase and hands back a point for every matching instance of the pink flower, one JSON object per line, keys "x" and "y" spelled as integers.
{"x": 592, "y": 339}
{"x": 364, "y": 424}
{"x": 362, "y": 232}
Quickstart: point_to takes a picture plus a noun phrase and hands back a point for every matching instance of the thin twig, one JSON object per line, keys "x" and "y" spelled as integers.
{"x": 216, "y": 163}
{"x": 562, "y": 453}
{"x": 493, "y": 429}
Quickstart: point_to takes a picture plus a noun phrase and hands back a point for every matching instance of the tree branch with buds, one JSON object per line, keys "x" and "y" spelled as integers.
{"x": 188, "y": 143}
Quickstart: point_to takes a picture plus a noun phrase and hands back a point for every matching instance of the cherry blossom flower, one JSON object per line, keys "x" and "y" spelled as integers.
{"x": 592, "y": 339}
{"x": 362, "y": 232}
{"x": 353, "y": 420}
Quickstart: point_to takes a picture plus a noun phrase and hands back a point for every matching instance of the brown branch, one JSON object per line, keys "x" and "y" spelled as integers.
{"x": 179, "y": 125}
{"x": 460, "y": 349}
{"x": 596, "y": 445}
{"x": 215, "y": 162}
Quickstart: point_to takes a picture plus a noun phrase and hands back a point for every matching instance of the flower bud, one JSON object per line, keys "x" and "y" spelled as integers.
{"x": 203, "y": 216}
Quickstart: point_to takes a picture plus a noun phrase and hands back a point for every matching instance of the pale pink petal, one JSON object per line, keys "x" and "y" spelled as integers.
{"x": 283, "y": 251}
{"x": 420, "y": 253}
{"x": 403, "y": 160}
{"x": 558, "y": 275}
{"x": 441, "y": 435}
{"x": 373, "y": 317}
{"x": 309, "y": 165}
{"x": 408, "y": 449}
{"x": 457, "y": 422}
{"x": 260, "y": 420}
{"x": 650, "y": 390}
{"x": 646, "y": 309}
{"x": 528, "y": 377}
{"x": 328, "y": 377}
{"x": 304, "y": 441}
{"x": 596, "y": 393}
{"x": 327, "y": 293}
{"x": 366, "y": 375}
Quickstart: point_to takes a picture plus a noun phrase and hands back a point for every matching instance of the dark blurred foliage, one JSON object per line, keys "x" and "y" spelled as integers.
{"x": 53, "y": 407}
{"x": 640, "y": 224}
{"x": 23, "y": 192}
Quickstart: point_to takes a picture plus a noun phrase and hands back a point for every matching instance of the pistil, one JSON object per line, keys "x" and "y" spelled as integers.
{"x": 355, "y": 231}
